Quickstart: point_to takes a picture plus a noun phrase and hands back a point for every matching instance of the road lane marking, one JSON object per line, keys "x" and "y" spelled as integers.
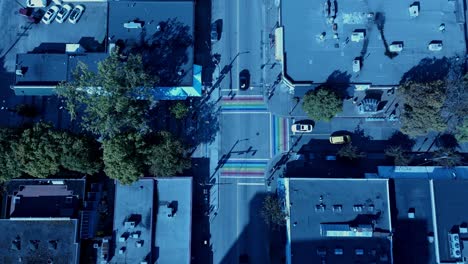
{"x": 280, "y": 132}
{"x": 243, "y": 102}
{"x": 251, "y": 183}
{"x": 245, "y": 112}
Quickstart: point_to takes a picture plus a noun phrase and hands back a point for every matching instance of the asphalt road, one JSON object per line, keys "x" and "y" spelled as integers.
{"x": 237, "y": 229}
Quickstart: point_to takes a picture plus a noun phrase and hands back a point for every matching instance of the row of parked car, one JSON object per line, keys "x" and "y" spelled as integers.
{"x": 61, "y": 13}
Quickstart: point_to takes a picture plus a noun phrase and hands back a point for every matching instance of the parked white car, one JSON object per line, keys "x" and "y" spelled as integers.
{"x": 63, "y": 13}
{"x": 76, "y": 14}
{"x": 301, "y": 128}
{"x": 50, "y": 14}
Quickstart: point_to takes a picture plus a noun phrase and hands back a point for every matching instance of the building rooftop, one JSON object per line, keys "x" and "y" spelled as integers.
{"x": 421, "y": 172}
{"x": 338, "y": 220}
{"x": 133, "y": 22}
{"x": 39, "y": 241}
{"x": 173, "y": 222}
{"x": 43, "y": 198}
{"x": 42, "y": 68}
{"x": 450, "y": 198}
{"x": 314, "y": 54}
{"x": 133, "y": 222}
{"x": 413, "y": 223}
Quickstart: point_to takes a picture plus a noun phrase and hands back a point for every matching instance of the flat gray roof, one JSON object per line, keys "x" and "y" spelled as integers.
{"x": 151, "y": 13}
{"x": 39, "y": 241}
{"x": 173, "y": 234}
{"x": 450, "y": 204}
{"x": 411, "y": 234}
{"x": 134, "y": 203}
{"x": 309, "y": 59}
{"x": 422, "y": 172}
{"x": 306, "y": 239}
{"x": 42, "y": 68}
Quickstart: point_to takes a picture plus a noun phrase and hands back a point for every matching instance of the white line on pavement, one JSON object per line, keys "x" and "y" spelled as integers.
{"x": 241, "y": 177}
{"x": 244, "y": 112}
{"x": 243, "y": 159}
{"x": 252, "y": 183}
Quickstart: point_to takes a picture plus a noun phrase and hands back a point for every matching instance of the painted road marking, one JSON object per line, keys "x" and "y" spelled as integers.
{"x": 280, "y": 134}
{"x": 244, "y": 112}
{"x": 243, "y": 103}
{"x": 252, "y": 183}
{"x": 243, "y": 169}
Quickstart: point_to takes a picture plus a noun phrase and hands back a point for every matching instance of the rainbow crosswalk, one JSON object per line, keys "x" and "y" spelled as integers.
{"x": 244, "y": 169}
{"x": 280, "y": 134}
{"x": 245, "y": 103}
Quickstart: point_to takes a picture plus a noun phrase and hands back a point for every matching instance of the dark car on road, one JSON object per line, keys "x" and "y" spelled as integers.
{"x": 244, "y": 80}
{"x": 214, "y": 32}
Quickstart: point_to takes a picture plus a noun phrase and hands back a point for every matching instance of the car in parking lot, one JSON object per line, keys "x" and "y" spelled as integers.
{"x": 76, "y": 14}
{"x": 50, "y": 14}
{"x": 63, "y": 13}
{"x": 340, "y": 139}
{"x": 301, "y": 128}
{"x": 244, "y": 80}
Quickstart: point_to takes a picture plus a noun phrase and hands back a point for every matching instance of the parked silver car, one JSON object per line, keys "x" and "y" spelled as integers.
{"x": 50, "y": 14}
{"x": 63, "y": 13}
{"x": 76, "y": 14}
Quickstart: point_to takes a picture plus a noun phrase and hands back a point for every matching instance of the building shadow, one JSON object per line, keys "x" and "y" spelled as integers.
{"x": 252, "y": 244}
{"x": 202, "y": 251}
{"x": 202, "y": 42}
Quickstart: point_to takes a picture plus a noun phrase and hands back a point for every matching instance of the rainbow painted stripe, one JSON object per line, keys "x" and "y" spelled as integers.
{"x": 243, "y": 103}
{"x": 280, "y": 130}
{"x": 244, "y": 168}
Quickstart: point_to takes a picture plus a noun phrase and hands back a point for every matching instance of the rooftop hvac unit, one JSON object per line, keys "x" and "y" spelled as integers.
{"x": 435, "y": 46}
{"x": 129, "y": 224}
{"x": 133, "y": 25}
{"x": 122, "y": 250}
{"x": 357, "y": 36}
{"x": 414, "y": 10}
{"x": 454, "y": 245}
{"x": 139, "y": 244}
{"x": 356, "y": 65}
{"x": 396, "y": 47}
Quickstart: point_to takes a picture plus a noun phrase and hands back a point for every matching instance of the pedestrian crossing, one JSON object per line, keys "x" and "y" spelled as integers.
{"x": 247, "y": 168}
{"x": 280, "y": 134}
{"x": 243, "y": 103}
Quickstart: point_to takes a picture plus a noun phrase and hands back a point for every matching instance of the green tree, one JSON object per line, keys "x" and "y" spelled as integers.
{"x": 9, "y": 166}
{"x": 37, "y": 150}
{"x": 179, "y": 110}
{"x": 399, "y": 155}
{"x": 80, "y": 154}
{"x": 122, "y": 157}
{"x": 351, "y": 152}
{"x": 322, "y": 104}
{"x": 461, "y": 134}
{"x": 115, "y": 99}
{"x": 168, "y": 157}
{"x": 423, "y": 103}
{"x": 272, "y": 213}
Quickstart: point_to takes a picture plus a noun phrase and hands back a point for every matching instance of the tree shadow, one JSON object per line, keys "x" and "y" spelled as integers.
{"x": 428, "y": 70}
{"x": 360, "y": 139}
{"x": 165, "y": 53}
{"x": 340, "y": 82}
{"x": 447, "y": 141}
{"x": 402, "y": 140}
{"x": 203, "y": 124}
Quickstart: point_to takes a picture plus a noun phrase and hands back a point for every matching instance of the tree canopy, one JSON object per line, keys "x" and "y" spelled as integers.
{"x": 351, "y": 152}
{"x": 461, "y": 134}
{"x": 179, "y": 110}
{"x": 41, "y": 151}
{"x": 322, "y": 104}
{"x": 111, "y": 98}
{"x": 423, "y": 103}
{"x": 129, "y": 156}
{"x": 399, "y": 155}
{"x": 272, "y": 212}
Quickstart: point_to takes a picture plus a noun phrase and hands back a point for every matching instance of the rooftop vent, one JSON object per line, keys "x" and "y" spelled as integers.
{"x": 463, "y": 228}
{"x": 320, "y": 208}
{"x": 33, "y": 244}
{"x": 396, "y": 46}
{"x": 129, "y": 224}
{"x": 337, "y": 208}
{"x": 411, "y": 213}
{"x": 435, "y": 45}
{"x": 414, "y": 9}
{"x": 122, "y": 250}
{"x": 139, "y": 244}
{"x": 133, "y": 25}
{"x": 123, "y": 237}
{"x": 358, "y": 208}
{"x": 371, "y": 208}
{"x": 136, "y": 235}
{"x": 356, "y": 65}
{"x": 16, "y": 244}
{"x": 358, "y": 35}
{"x": 53, "y": 244}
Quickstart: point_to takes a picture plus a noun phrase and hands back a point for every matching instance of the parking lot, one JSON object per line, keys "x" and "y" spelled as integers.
{"x": 21, "y": 36}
